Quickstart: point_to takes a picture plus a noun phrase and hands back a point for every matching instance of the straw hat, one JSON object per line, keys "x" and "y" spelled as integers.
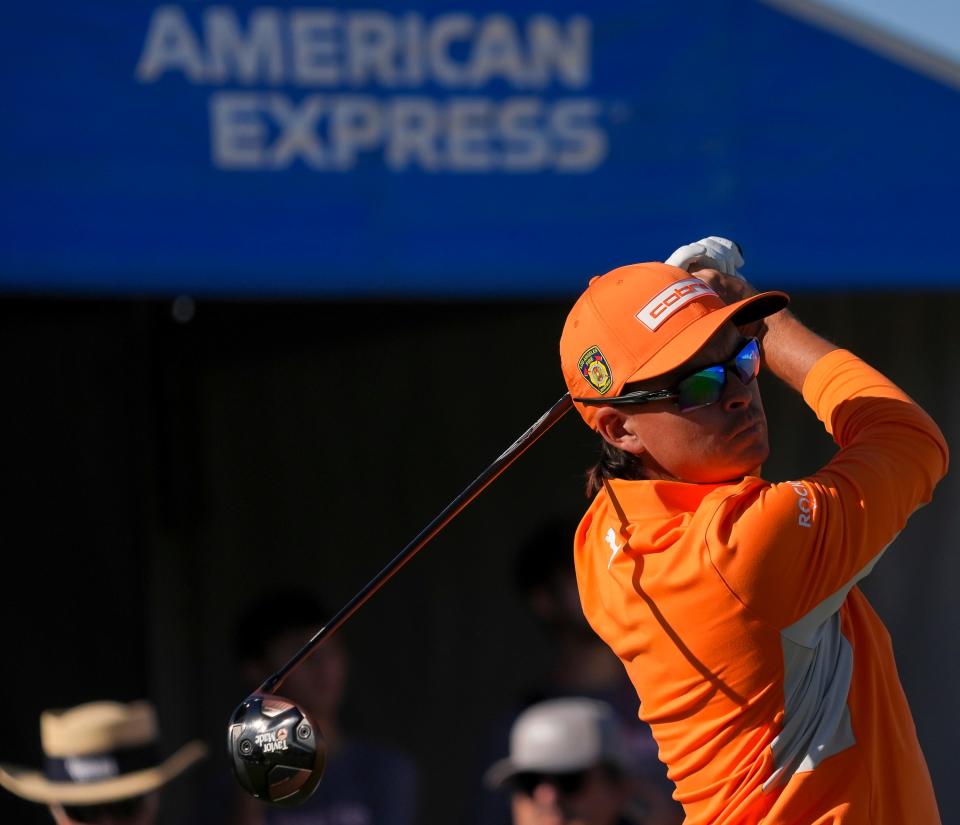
{"x": 99, "y": 752}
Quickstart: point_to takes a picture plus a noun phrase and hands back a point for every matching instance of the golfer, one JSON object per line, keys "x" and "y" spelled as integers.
{"x": 768, "y": 681}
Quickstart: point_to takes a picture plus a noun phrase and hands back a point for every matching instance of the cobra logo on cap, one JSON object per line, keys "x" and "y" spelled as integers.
{"x": 594, "y": 367}
{"x": 671, "y": 299}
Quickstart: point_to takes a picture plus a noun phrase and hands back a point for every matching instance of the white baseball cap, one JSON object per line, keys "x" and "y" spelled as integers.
{"x": 561, "y": 736}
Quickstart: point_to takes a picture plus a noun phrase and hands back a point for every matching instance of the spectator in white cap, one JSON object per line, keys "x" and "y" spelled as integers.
{"x": 101, "y": 765}
{"x": 566, "y": 766}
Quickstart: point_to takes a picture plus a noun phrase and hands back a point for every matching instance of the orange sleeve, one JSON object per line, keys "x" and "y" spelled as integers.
{"x": 784, "y": 549}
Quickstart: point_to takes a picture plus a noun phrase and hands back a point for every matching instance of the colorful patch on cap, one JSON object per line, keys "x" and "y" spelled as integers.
{"x": 594, "y": 367}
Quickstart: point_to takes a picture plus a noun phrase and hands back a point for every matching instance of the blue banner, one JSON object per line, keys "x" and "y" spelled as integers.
{"x": 474, "y": 150}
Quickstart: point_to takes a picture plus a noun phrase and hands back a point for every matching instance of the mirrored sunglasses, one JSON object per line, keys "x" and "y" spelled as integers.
{"x": 703, "y": 388}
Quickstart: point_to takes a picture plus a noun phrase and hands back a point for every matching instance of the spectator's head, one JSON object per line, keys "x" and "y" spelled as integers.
{"x": 101, "y": 765}
{"x": 566, "y": 765}
{"x": 546, "y": 580}
{"x": 272, "y": 629}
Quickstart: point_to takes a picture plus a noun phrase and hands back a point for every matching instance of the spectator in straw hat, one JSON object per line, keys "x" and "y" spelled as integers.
{"x": 101, "y": 765}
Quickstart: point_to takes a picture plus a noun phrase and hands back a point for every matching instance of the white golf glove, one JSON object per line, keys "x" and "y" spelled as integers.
{"x": 716, "y": 253}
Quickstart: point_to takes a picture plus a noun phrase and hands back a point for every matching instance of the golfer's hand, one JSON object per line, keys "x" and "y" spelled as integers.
{"x": 717, "y": 262}
{"x": 730, "y": 288}
{"x": 714, "y": 252}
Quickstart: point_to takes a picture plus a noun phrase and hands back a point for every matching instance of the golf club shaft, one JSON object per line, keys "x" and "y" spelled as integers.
{"x": 511, "y": 454}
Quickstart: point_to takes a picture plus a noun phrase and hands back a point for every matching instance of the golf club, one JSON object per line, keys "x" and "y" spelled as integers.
{"x": 277, "y": 752}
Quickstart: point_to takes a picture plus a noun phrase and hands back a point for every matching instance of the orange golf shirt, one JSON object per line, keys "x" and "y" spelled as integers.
{"x": 768, "y": 680}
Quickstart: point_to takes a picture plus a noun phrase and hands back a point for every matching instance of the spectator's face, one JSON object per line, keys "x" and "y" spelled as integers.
{"x": 721, "y": 442}
{"x": 318, "y": 684}
{"x": 597, "y": 798}
{"x": 556, "y": 603}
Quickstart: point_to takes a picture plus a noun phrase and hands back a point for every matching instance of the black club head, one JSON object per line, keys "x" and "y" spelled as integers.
{"x": 277, "y": 752}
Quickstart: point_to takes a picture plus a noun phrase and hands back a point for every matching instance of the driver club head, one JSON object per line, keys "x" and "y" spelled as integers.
{"x": 277, "y": 751}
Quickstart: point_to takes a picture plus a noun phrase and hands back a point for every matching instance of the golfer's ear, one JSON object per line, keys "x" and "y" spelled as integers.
{"x": 614, "y": 428}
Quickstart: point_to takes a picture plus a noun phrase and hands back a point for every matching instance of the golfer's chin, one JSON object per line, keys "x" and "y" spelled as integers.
{"x": 720, "y": 465}
{"x": 754, "y": 451}
{"x": 750, "y": 465}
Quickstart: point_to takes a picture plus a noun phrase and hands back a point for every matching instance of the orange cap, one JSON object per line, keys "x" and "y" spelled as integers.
{"x": 641, "y": 321}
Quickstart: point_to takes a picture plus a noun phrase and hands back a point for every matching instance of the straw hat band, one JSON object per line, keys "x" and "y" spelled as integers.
{"x": 97, "y": 767}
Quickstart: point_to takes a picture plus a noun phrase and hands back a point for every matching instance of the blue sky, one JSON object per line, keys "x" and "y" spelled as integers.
{"x": 921, "y": 34}
{"x": 933, "y": 24}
